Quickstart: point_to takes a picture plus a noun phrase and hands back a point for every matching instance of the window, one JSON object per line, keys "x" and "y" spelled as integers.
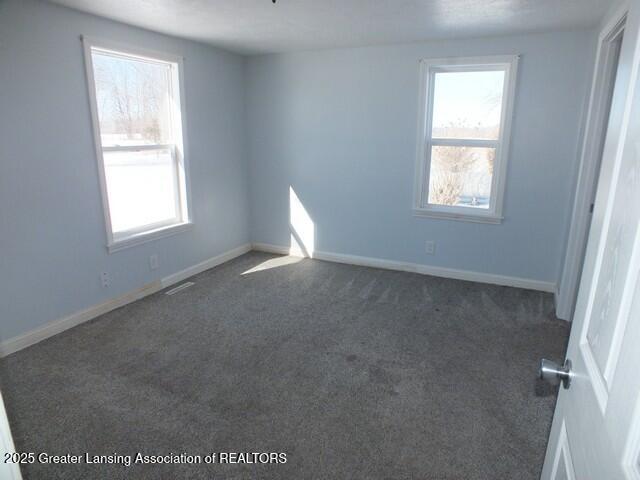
{"x": 466, "y": 107}
{"x": 137, "y": 120}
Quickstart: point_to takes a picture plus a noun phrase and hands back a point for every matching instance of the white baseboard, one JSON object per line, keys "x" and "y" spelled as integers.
{"x": 268, "y": 248}
{"x": 206, "y": 265}
{"x": 468, "y": 275}
{"x": 50, "y": 329}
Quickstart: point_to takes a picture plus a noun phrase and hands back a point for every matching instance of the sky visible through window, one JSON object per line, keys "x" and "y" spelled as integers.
{"x": 468, "y": 101}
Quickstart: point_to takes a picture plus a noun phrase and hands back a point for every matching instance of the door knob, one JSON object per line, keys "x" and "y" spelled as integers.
{"x": 554, "y": 373}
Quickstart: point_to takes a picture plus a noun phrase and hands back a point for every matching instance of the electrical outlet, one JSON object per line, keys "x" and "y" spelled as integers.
{"x": 153, "y": 261}
{"x": 430, "y": 247}
{"x": 105, "y": 279}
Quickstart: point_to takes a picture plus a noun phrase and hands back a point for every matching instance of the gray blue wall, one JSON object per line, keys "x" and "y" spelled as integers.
{"x": 339, "y": 126}
{"x": 52, "y": 243}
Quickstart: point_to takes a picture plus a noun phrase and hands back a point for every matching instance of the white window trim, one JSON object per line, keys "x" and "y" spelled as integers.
{"x": 421, "y": 207}
{"x": 130, "y": 238}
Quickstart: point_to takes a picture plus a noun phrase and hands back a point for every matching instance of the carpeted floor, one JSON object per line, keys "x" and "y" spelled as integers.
{"x": 353, "y": 372}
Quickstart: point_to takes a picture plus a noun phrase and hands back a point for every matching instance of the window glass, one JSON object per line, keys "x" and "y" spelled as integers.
{"x": 467, "y": 104}
{"x": 132, "y": 97}
{"x": 141, "y": 187}
{"x": 136, "y": 100}
{"x": 461, "y": 176}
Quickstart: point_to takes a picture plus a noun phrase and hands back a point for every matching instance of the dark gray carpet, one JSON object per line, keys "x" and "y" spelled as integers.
{"x": 354, "y": 372}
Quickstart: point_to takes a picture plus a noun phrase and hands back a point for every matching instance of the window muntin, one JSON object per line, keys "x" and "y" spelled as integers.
{"x": 137, "y": 120}
{"x": 466, "y": 105}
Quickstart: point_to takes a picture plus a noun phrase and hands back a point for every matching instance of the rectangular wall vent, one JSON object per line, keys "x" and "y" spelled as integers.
{"x": 179, "y": 288}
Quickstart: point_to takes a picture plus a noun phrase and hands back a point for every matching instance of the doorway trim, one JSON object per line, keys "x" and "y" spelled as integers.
{"x": 593, "y": 141}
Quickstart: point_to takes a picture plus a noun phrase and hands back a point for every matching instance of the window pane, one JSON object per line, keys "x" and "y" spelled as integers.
{"x": 467, "y": 105}
{"x": 141, "y": 188}
{"x": 461, "y": 176}
{"x": 133, "y": 100}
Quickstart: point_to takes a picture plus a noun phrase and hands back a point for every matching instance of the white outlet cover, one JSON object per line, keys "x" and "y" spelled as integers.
{"x": 430, "y": 247}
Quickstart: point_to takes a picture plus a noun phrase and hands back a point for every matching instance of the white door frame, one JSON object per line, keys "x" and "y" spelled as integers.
{"x": 8, "y": 471}
{"x": 592, "y": 145}
{"x": 597, "y": 412}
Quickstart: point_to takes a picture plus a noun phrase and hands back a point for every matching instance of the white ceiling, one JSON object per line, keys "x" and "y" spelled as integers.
{"x": 259, "y": 26}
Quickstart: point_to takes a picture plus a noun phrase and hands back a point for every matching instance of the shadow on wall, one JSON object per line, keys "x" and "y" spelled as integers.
{"x": 303, "y": 230}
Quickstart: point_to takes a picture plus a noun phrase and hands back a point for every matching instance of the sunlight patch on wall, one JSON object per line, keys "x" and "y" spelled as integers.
{"x": 303, "y": 231}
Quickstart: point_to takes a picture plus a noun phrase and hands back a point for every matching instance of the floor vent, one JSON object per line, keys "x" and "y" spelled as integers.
{"x": 179, "y": 288}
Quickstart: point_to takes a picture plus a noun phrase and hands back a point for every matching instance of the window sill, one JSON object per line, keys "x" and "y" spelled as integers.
{"x": 462, "y": 217}
{"x": 144, "y": 237}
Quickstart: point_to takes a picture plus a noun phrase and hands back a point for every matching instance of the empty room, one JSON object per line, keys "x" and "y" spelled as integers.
{"x": 304, "y": 239}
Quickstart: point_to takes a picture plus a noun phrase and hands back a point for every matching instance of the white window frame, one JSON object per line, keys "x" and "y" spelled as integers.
{"x": 428, "y": 69}
{"x": 120, "y": 240}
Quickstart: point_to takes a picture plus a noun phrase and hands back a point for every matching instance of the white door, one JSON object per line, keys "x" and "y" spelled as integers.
{"x": 596, "y": 426}
{"x": 8, "y": 471}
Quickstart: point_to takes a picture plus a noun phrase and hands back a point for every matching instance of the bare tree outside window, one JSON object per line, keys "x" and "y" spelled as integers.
{"x": 462, "y": 175}
{"x": 460, "y": 171}
{"x": 132, "y": 100}
{"x": 464, "y": 125}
